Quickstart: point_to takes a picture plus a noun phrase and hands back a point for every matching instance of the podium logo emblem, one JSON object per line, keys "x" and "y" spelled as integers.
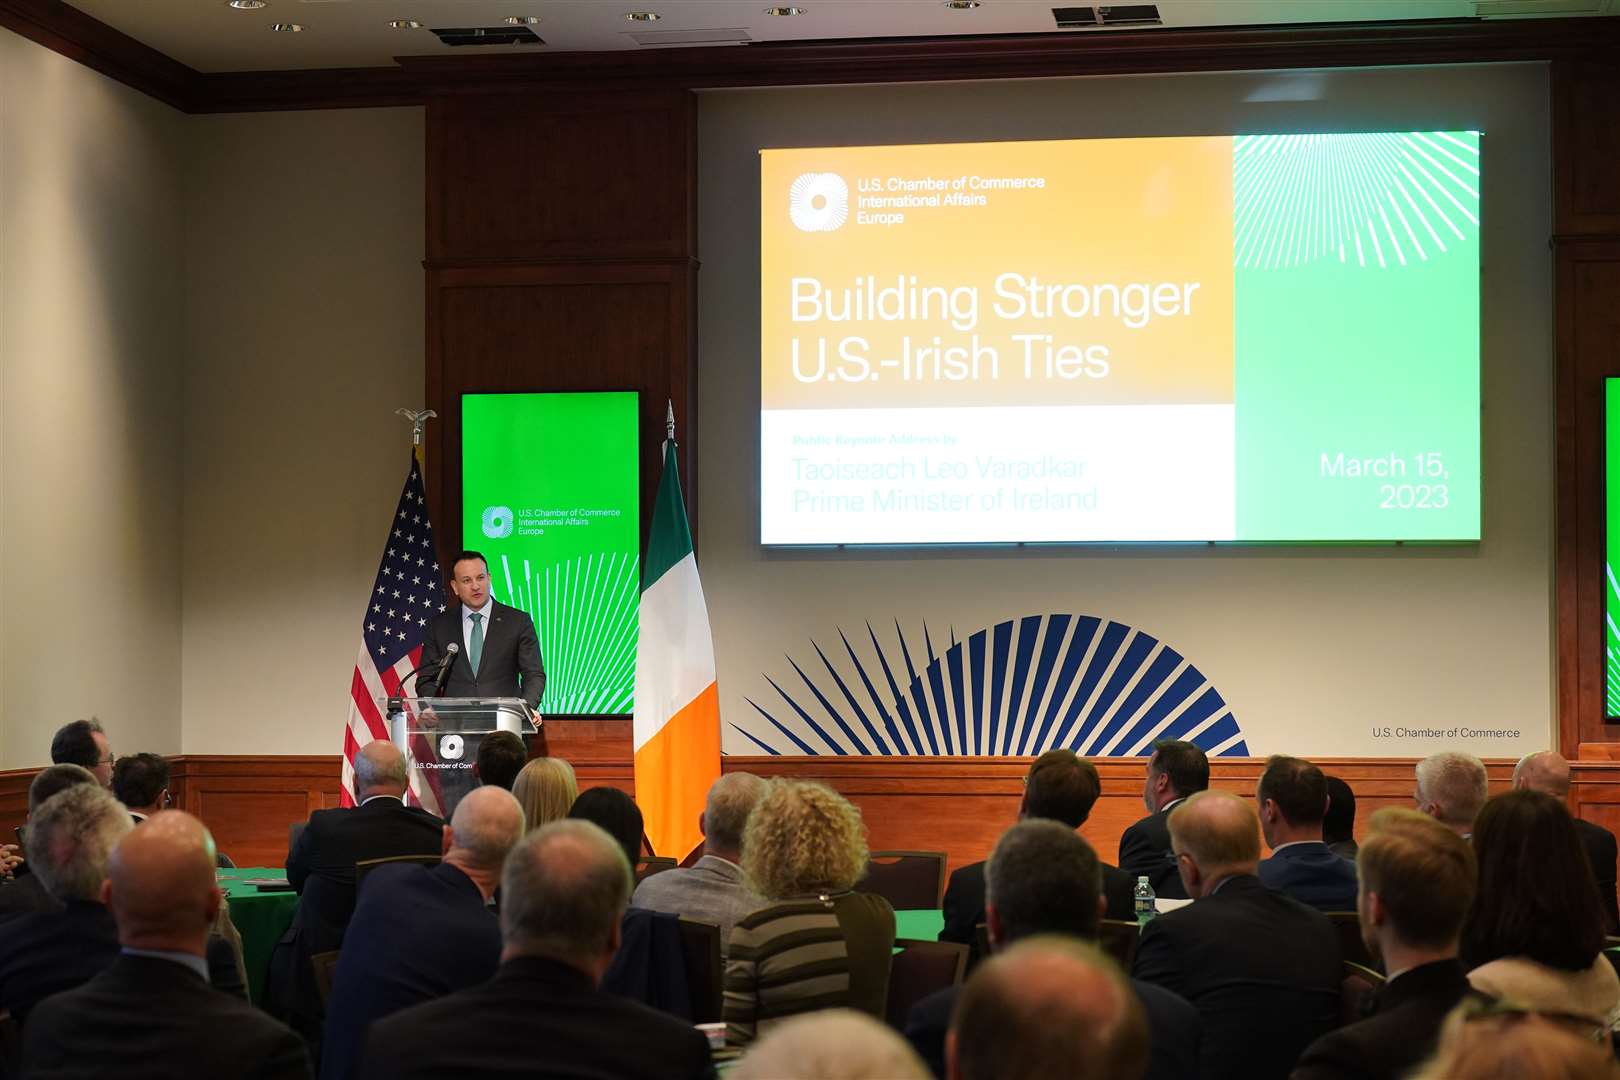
{"x": 497, "y": 522}
{"x": 451, "y": 748}
{"x": 819, "y": 202}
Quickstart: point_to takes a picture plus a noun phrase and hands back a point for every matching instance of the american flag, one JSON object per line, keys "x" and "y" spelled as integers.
{"x": 406, "y": 596}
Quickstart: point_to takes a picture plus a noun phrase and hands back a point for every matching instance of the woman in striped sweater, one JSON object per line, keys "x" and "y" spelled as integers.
{"x": 816, "y": 945}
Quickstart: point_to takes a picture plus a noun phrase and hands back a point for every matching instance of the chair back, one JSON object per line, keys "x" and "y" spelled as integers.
{"x": 366, "y": 866}
{"x": 223, "y": 861}
{"x": 705, "y": 974}
{"x": 1351, "y": 947}
{"x": 325, "y": 965}
{"x": 648, "y": 865}
{"x": 921, "y": 968}
{"x": 908, "y": 880}
{"x": 1118, "y": 938}
{"x": 1356, "y": 990}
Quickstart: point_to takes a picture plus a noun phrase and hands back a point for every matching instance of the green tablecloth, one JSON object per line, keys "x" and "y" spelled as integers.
{"x": 260, "y": 917}
{"x": 923, "y": 925}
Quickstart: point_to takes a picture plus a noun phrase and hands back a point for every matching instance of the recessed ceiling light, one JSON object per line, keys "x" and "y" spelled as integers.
{"x": 961, "y": 5}
{"x": 404, "y": 24}
{"x": 286, "y": 28}
{"x": 522, "y": 20}
{"x": 245, "y": 5}
{"x": 642, "y": 16}
{"x": 787, "y": 10}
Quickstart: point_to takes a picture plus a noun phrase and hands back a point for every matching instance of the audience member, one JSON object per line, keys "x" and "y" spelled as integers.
{"x": 419, "y": 932}
{"x": 1481, "y": 1041}
{"x": 1417, "y": 881}
{"x": 1062, "y": 786}
{"x": 1293, "y": 798}
{"x": 1451, "y": 788}
{"x": 1176, "y": 771}
{"x": 1044, "y": 878}
{"x": 1534, "y": 936}
{"x": 1261, "y": 968}
{"x": 817, "y": 944}
{"x": 617, "y": 814}
{"x": 141, "y": 783}
{"x": 1339, "y": 826}
{"x": 712, "y": 890}
{"x": 501, "y": 756}
{"x": 1047, "y": 1007}
{"x": 1548, "y": 772}
{"x": 85, "y": 743}
{"x": 563, "y": 893}
{"x": 25, "y": 894}
{"x": 151, "y": 1013}
{"x": 834, "y": 1044}
{"x": 546, "y": 789}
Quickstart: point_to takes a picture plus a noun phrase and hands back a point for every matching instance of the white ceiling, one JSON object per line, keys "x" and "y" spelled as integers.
{"x": 209, "y": 36}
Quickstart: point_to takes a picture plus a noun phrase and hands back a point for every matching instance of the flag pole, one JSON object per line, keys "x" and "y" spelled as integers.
{"x": 419, "y": 419}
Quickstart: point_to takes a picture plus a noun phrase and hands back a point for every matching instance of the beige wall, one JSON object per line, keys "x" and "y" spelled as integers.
{"x": 1309, "y": 646}
{"x": 91, "y": 221}
{"x": 303, "y": 335}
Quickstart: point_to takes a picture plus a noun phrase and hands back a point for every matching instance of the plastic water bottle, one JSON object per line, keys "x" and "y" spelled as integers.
{"x": 1145, "y": 909}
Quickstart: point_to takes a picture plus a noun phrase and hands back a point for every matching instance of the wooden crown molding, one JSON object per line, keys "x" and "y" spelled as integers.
{"x": 414, "y": 79}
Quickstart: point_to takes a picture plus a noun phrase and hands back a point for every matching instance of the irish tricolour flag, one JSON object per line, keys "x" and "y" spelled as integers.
{"x": 677, "y": 725}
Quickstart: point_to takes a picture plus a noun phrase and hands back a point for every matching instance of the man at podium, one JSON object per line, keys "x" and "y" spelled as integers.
{"x": 498, "y": 651}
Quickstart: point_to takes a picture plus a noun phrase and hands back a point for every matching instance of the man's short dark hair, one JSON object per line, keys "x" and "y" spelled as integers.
{"x": 463, "y": 556}
{"x": 1062, "y": 786}
{"x": 139, "y": 779}
{"x": 50, "y": 780}
{"x": 1340, "y": 823}
{"x": 1297, "y": 787}
{"x": 1043, "y": 878}
{"x": 616, "y": 813}
{"x": 501, "y": 756}
{"x": 75, "y": 744}
{"x": 1184, "y": 763}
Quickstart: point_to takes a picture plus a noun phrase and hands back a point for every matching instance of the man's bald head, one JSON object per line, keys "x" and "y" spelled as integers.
{"x": 379, "y": 769}
{"x": 487, "y": 823}
{"x": 1047, "y": 1006}
{"x": 1546, "y": 772}
{"x": 160, "y": 884}
{"x": 1214, "y": 835}
{"x": 563, "y": 893}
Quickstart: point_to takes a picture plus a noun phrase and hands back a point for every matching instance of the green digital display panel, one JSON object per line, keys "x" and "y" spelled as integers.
{"x": 1611, "y": 548}
{"x": 550, "y": 495}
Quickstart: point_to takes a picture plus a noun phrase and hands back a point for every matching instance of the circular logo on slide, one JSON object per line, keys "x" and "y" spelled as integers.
{"x": 497, "y": 522}
{"x": 819, "y": 202}
{"x": 451, "y": 748}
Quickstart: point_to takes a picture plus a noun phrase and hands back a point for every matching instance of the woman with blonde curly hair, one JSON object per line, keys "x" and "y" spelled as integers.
{"x": 546, "y": 788}
{"x": 817, "y": 944}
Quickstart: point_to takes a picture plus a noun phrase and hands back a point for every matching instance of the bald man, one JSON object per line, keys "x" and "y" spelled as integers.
{"x": 1261, "y": 968}
{"x": 1548, "y": 772}
{"x": 419, "y": 932}
{"x": 1048, "y": 1006}
{"x": 152, "y": 1014}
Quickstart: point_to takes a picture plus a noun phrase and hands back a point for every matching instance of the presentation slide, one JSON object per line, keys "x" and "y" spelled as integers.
{"x": 550, "y": 494}
{"x": 1262, "y": 338}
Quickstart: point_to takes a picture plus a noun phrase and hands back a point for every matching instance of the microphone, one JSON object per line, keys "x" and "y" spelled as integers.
{"x": 444, "y": 669}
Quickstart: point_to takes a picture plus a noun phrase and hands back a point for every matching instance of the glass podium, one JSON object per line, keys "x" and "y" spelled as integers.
{"x": 440, "y": 738}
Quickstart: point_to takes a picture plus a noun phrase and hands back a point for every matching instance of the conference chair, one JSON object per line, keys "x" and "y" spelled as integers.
{"x": 1351, "y": 946}
{"x": 921, "y": 968}
{"x": 908, "y": 880}
{"x": 648, "y": 865}
{"x": 1355, "y": 989}
{"x": 1118, "y": 939}
{"x": 705, "y": 974}
{"x": 366, "y": 866}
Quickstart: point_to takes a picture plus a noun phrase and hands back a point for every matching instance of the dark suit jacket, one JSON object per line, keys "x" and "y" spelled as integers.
{"x": 964, "y": 903}
{"x": 1313, "y": 875}
{"x": 146, "y": 1017}
{"x": 1600, "y": 852}
{"x": 1144, "y": 850}
{"x": 1174, "y": 1031}
{"x": 1262, "y": 969}
{"x": 23, "y": 895}
{"x": 418, "y": 934}
{"x": 1398, "y": 1036}
{"x": 538, "y": 1018}
{"x": 511, "y": 655}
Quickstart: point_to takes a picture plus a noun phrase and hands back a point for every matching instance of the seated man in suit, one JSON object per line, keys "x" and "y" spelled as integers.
{"x": 1048, "y": 1007}
{"x": 1262, "y": 969}
{"x": 499, "y": 650}
{"x": 152, "y": 1010}
{"x": 1176, "y": 771}
{"x": 563, "y": 893}
{"x": 1043, "y": 878}
{"x": 1548, "y": 772}
{"x": 1417, "y": 881}
{"x": 25, "y": 894}
{"x": 1061, "y": 786}
{"x": 1293, "y": 798}
{"x": 1452, "y": 789}
{"x": 141, "y": 783}
{"x": 712, "y": 890}
{"x": 420, "y": 932}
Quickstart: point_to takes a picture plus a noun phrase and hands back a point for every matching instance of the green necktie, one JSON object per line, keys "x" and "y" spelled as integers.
{"x": 476, "y": 650}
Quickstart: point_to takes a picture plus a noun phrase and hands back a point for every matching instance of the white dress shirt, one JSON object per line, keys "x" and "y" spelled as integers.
{"x": 467, "y": 628}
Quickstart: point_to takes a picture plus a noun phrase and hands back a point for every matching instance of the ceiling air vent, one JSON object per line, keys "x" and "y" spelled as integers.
{"x": 487, "y": 35}
{"x": 1084, "y": 18}
{"x": 688, "y": 38}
